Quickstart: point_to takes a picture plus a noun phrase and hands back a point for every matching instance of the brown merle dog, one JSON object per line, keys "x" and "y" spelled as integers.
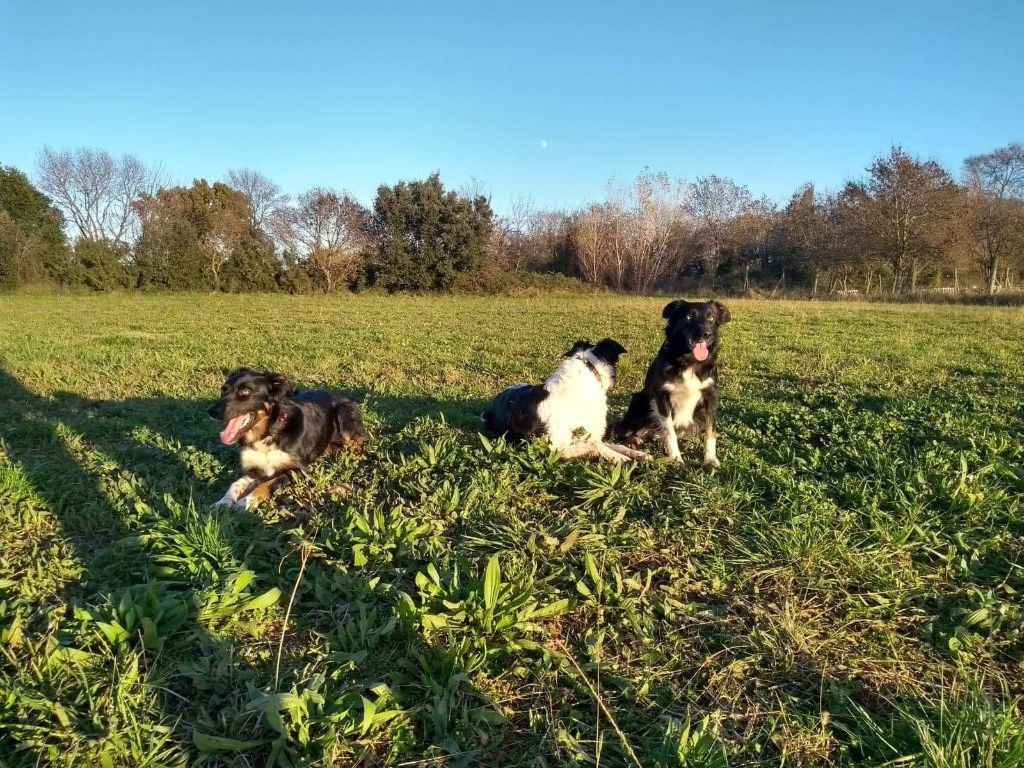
{"x": 680, "y": 392}
{"x": 280, "y": 430}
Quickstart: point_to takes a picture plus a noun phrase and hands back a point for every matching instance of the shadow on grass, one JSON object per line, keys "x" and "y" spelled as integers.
{"x": 92, "y": 461}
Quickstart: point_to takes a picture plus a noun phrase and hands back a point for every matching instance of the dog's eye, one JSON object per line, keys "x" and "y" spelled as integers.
{"x": 244, "y": 392}
{"x": 691, "y": 315}
{"x": 711, "y": 319}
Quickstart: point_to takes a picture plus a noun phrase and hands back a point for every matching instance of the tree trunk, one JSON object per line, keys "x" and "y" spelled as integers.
{"x": 814, "y": 288}
{"x": 746, "y": 276}
{"x": 1009, "y": 279}
{"x": 956, "y": 279}
{"x": 913, "y": 275}
{"x": 992, "y": 276}
{"x": 867, "y": 287}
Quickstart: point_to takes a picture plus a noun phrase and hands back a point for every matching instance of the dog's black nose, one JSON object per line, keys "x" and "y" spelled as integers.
{"x": 214, "y": 411}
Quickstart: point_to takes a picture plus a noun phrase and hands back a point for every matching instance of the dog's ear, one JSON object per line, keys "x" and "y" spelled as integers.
{"x": 278, "y": 385}
{"x": 609, "y": 350}
{"x": 579, "y": 346}
{"x": 723, "y": 313}
{"x": 672, "y": 307}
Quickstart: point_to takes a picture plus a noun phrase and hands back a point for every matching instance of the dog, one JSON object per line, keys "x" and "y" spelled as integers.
{"x": 280, "y": 431}
{"x": 573, "y": 399}
{"x": 680, "y": 391}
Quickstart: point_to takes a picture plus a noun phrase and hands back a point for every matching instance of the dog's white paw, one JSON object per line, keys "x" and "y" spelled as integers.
{"x": 712, "y": 462}
{"x": 235, "y": 491}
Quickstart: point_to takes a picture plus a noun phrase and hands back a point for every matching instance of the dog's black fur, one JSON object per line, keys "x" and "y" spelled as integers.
{"x": 286, "y": 430}
{"x": 513, "y": 412}
{"x": 677, "y": 381}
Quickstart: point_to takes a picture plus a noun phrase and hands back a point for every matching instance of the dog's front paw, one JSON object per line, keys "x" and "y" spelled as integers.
{"x": 712, "y": 462}
{"x": 235, "y": 491}
{"x": 224, "y": 502}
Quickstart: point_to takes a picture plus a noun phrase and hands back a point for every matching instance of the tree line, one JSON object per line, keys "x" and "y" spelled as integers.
{"x": 90, "y": 219}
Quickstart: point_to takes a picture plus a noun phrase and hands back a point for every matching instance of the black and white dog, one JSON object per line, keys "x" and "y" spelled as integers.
{"x": 570, "y": 408}
{"x": 280, "y": 430}
{"x": 680, "y": 392}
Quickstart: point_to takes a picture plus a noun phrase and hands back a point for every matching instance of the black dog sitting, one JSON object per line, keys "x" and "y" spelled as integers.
{"x": 280, "y": 431}
{"x": 680, "y": 393}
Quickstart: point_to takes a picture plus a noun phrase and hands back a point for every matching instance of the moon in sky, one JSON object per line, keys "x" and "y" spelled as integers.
{"x": 543, "y": 143}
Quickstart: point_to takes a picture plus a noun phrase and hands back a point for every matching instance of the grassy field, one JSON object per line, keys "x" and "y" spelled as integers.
{"x": 845, "y": 590}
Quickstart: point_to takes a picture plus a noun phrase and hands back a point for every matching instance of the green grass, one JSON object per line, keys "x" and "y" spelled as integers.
{"x": 845, "y": 590}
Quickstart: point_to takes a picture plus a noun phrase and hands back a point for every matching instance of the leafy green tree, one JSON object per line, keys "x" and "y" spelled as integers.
{"x": 426, "y": 236}
{"x": 202, "y": 238}
{"x": 33, "y": 246}
{"x": 11, "y": 244}
{"x": 102, "y": 265}
{"x": 167, "y": 255}
{"x": 292, "y": 275}
{"x": 253, "y": 265}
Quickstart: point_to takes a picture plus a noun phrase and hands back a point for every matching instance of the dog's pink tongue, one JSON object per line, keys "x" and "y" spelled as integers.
{"x": 700, "y": 351}
{"x": 230, "y": 433}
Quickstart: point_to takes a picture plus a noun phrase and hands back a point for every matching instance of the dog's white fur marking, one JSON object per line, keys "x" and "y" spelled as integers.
{"x": 710, "y": 448}
{"x": 236, "y": 491}
{"x": 683, "y": 400}
{"x": 577, "y": 402}
{"x": 266, "y": 457}
{"x": 685, "y": 397}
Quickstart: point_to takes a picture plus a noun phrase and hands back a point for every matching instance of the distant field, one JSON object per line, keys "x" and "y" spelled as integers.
{"x": 845, "y": 590}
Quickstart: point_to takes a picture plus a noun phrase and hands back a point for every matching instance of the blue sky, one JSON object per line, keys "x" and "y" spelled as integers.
{"x": 548, "y": 100}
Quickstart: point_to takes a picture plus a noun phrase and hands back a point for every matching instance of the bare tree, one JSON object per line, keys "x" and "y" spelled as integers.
{"x": 713, "y": 202}
{"x": 995, "y": 194}
{"x": 265, "y": 197}
{"x": 751, "y": 235}
{"x": 653, "y": 206}
{"x": 589, "y": 237}
{"x": 512, "y": 234}
{"x": 544, "y": 241}
{"x": 905, "y": 210}
{"x": 329, "y": 231}
{"x": 96, "y": 191}
{"x": 809, "y": 232}
{"x": 629, "y": 242}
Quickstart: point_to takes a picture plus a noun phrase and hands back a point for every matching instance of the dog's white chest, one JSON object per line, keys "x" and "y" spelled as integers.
{"x": 265, "y": 459}
{"x": 685, "y": 396}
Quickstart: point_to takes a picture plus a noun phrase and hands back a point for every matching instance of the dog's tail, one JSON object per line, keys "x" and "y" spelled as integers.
{"x": 349, "y": 423}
